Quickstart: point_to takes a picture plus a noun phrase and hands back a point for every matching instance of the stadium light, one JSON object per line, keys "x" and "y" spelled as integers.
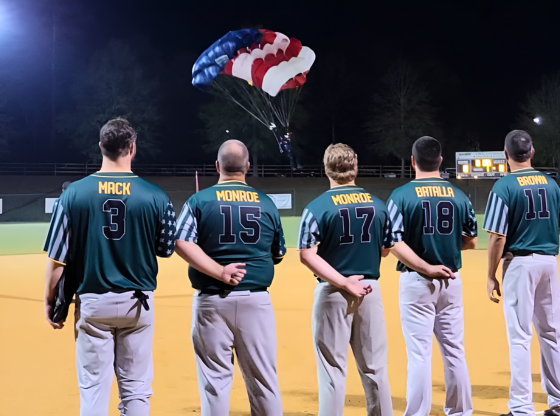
{"x": 538, "y": 120}
{"x": 227, "y": 131}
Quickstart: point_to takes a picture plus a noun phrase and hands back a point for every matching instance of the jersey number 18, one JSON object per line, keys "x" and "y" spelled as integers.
{"x": 444, "y": 218}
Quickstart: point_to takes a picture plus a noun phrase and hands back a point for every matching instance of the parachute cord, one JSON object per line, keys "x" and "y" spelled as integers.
{"x": 228, "y": 96}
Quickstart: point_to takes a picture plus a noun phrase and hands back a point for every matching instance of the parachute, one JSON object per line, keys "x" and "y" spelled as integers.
{"x": 261, "y": 71}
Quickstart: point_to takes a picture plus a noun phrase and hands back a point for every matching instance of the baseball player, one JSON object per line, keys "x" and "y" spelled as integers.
{"x": 227, "y": 223}
{"x": 343, "y": 235}
{"x": 110, "y": 226}
{"x": 436, "y": 220}
{"x": 522, "y": 218}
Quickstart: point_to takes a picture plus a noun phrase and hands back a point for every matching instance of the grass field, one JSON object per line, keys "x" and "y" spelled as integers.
{"x": 37, "y": 364}
{"x": 28, "y": 238}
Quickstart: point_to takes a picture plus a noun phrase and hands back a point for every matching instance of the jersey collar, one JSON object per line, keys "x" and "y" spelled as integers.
{"x": 430, "y": 179}
{"x": 231, "y": 183}
{"x": 115, "y": 175}
{"x": 342, "y": 187}
{"x": 524, "y": 170}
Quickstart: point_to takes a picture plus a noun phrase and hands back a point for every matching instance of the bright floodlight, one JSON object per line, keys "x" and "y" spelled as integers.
{"x": 227, "y": 131}
{"x": 538, "y": 120}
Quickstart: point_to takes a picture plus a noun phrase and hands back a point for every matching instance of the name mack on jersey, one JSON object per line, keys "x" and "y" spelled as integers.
{"x": 115, "y": 188}
{"x": 423, "y": 191}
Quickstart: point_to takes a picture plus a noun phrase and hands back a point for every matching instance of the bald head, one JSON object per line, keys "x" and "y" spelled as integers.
{"x": 233, "y": 157}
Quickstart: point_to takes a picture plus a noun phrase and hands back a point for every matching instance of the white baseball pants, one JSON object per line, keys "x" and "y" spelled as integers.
{"x": 115, "y": 336}
{"x": 242, "y": 321}
{"x": 532, "y": 296}
{"x": 339, "y": 320}
{"x": 431, "y": 307}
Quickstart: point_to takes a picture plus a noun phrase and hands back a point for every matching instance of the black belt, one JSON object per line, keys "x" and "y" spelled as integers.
{"x": 223, "y": 292}
{"x": 142, "y": 298}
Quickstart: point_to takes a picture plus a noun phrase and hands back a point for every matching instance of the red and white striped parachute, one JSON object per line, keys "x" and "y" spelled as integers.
{"x": 275, "y": 64}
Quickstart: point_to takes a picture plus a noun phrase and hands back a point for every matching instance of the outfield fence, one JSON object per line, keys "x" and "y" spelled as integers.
{"x": 74, "y": 169}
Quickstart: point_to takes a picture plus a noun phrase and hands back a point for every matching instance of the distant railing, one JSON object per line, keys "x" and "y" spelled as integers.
{"x": 84, "y": 169}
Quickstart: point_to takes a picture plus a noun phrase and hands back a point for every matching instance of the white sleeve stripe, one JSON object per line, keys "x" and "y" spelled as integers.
{"x": 503, "y": 224}
{"x": 489, "y": 210}
{"x": 496, "y": 214}
{"x": 399, "y": 225}
{"x": 393, "y": 211}
{"x": 60, "y": 237}
{"x": 390, "y": 205}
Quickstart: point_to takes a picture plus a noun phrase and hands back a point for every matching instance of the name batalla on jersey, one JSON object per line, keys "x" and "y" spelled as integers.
{"x": 431, "y": 191}
{"x": 350, "y": 227}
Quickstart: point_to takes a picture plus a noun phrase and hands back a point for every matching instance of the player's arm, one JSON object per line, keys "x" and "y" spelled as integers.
{"x": 496, "y": 244}
{"x": 409, "y": 258}
{"x": 309, "y": 238}
{"x": 470, "y": 228}
{"x": 57, "y": 246}
{"x": 325, "y": 271}
{"x": 403, "y": 252}
{"x": 496, "y": 222}
{"x": 231, "y": 274}
{"x": 188, "y": 249}
{"x": 278, "y": 248}
{"x": 469, "y": 243}
{"x": 52, "y": 276}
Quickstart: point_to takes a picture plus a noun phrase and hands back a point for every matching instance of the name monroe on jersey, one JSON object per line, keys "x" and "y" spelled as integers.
{"x": 351, "y": 198}
{"x": 237, "y": 196}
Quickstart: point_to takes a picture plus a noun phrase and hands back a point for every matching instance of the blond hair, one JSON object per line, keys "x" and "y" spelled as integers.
{"x": 340, "y": 163}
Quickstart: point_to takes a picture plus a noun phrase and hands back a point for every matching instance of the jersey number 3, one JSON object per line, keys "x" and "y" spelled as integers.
{"x": 248, "y": 217}
{"x": 116, "y": 209}
{"x": 367, "y": 213}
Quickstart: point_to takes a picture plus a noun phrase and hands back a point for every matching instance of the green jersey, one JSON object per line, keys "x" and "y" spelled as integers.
{"x": 431, "y": 215}
{"x": 109, "y": 227}
{"x": 524, "y": 206}
{"x": 350, "y": 227}
{"x": 233, "y": 223}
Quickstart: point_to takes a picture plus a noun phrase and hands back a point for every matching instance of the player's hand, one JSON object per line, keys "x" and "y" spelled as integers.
{"x": 493, "y": 285}
{"x": 440, "y": 272}
{"x": 49, "y": 312}
{"x": 233, "y": 273}
{"x": 355, "y": 287}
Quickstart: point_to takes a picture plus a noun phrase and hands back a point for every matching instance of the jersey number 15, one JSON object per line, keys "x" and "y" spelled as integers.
{"x": 248, "y": 218}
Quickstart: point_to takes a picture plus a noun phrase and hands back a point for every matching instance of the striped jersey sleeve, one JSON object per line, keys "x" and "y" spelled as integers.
{"x": 49, "y": 234}
{"x": 388, "y": 240}
{"x": 496, "y": 217}
{"x": 396, "y": 218}
{"x": 470, "y": 227}
{"x": 58, "y": 239}
{"x": 309, "y": 235}
{"x": 165, "y": 236}
{"x": 187, "y": 225}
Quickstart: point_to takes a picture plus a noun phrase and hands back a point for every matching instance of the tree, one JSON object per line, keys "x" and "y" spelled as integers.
{"x": 401, "y": 113}
{"x": 116, "y": 83}
{"x": 544, "y": 103}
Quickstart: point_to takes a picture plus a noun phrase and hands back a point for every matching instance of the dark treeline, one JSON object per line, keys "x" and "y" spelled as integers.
{"x": 66, "y": 68}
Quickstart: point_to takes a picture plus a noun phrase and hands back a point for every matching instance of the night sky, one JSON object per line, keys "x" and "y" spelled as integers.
{"x": 487, "y": 57}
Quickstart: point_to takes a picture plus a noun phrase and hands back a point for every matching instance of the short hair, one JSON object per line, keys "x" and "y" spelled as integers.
{"x": 519, "y": 145}
{"x": 66, "y": 185}
{"x": 427, "y": 154}
{"x": 340, "y": 163}
{"x": 233, "y": 157}
{"x": 116, "y": 137}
